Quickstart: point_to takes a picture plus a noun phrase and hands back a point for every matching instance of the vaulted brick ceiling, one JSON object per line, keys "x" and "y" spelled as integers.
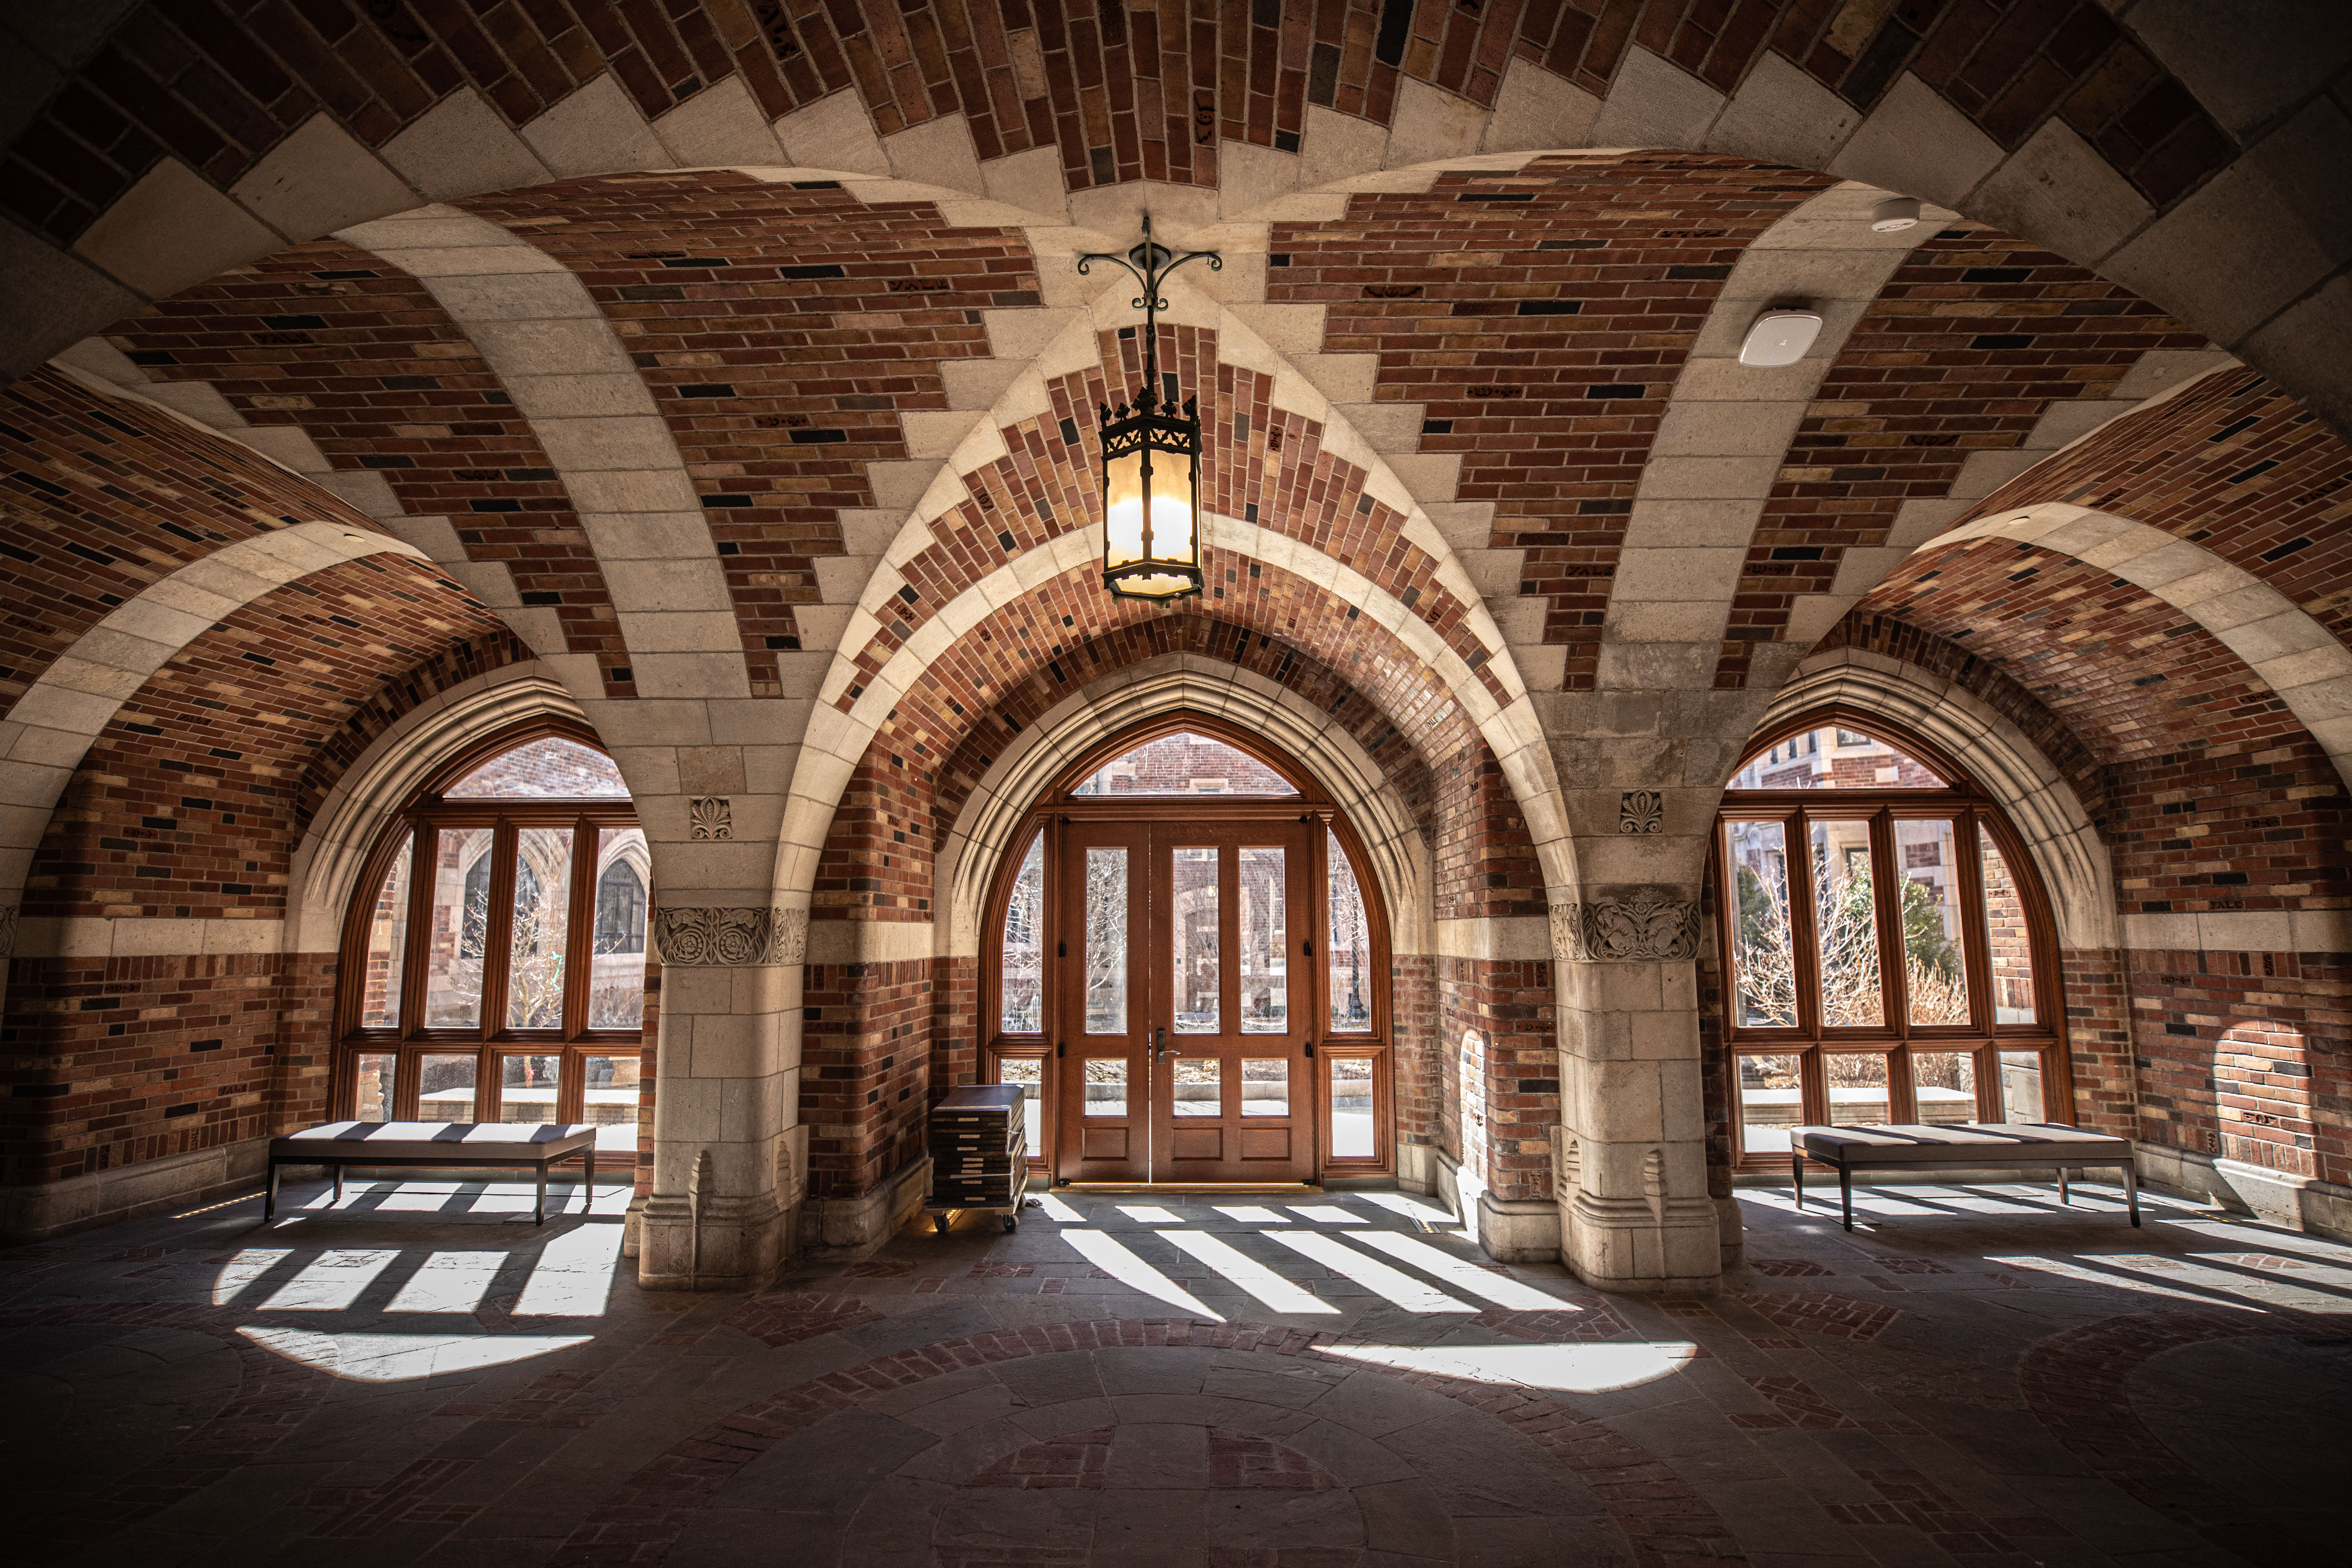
{"x": 1141, "y": 90}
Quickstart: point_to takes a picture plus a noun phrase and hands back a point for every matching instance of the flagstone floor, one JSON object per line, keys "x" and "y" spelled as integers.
{"x": 1976, "y": 1375}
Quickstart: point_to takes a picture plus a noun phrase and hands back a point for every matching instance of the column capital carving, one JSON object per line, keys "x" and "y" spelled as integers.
{"x": 699, "y": 938}
{"x": 1625, "y": 925}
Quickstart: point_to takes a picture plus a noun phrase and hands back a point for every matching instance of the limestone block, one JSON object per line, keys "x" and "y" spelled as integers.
{"x": 1916, "y": 144}
{"x": 937, "y": 153}
{"x": 596, "y": 131}
{"x": 1781, "y": 113}
{"x": 173, "y": 229}
{"x": 1536, "y": 111}
{"x": 2060, "y": 193}
{"x": 1336, "y": 146}
{"x": 320, "y": 179}
{"x": 718, "y": 127}
{"x": 462, "y": 147}
{"x": 1654, "y": 104}
{"x": 1031, "y": 181}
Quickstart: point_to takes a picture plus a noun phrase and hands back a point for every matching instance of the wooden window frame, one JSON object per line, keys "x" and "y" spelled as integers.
{"x": 1056, "y": 806}
{"x": 1971, "y": 810}
{"x": 416, "y": 829}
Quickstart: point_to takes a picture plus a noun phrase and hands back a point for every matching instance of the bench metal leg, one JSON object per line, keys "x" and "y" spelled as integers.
{"x": 1797, "y": 1177}
{"x": 2065, "y": 1198}
{"x": 538, "y": 1215}
{"x": 1845, "y": 1193}
{"x": 588, "y": 1204}
{"x": 270, "y": 1195}
{"x": 2131, "y": 1191}
{"x": 339, "y": 1188}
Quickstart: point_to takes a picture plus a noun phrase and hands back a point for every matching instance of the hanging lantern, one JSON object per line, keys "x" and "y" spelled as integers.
{"x": 1151, "y": 455}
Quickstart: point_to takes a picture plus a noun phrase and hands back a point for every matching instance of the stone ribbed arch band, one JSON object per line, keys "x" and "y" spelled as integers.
{"x": 1625, "y": 925}
{"x": 706, "y": 937}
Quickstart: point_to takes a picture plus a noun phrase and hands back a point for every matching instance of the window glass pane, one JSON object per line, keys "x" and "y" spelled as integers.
{"x": 1199, "y": 1087}
{"x": 1024, "y": 951}
{"x": 616, "y": 964}
{"x": 1351, "y": 942}
{"x": 376, "y": 1074}
{"x": 1107, "y": 945}
{"x": 527, "y": 1087}
{"x": 1192, "y": 925}
{"x": 2021, "y": 1087}
{"x": 1106, "y": 1087}
{"x": 1846, "y": 926}
{"x": 1764, "y": 954}
{"x": 1029, "y": 1072}
{"x": 542, "y": 906}
{"x": 1184, "y": 764}
{"x": 551, "y": 768}
{"x": 1835, "y": 759}
{"x": 1857, "y": 1088}
{"x": 461, "y": 922}
{"x": 1352, "y": 1107}
{"x": 446, "y": 1087}
{"x": 1934, "y": 973}
{"x": 1771, "y": 1100}
{"x": 1265, "y": 1088}
{"x": 1266, "y": 943}
{"x": 386, "y": 946}
{"x": 2005, "y": 939}
{"x": 1945, "y": 1084}
{"x": 611, "y": 1102}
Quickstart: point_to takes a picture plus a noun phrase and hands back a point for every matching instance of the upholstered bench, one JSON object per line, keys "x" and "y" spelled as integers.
{"x": 1961, "y": 1146}
{"x": 444, "y": 1145}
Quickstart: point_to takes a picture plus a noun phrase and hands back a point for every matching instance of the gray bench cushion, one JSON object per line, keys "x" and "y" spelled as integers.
{"x": 457, "y": 1143}
{"x": 1993, "y": 1140}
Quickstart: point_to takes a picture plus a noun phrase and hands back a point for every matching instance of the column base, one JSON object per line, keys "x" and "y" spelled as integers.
{"x": 1632, "y": 1248}
{"x": 1518, "y": 1230}
{"x": 739, "y": 1244}
{"x": 843, "y": 1230}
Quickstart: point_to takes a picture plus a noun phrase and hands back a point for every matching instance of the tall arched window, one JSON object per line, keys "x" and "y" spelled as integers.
{"x": 494, "y": 965}
{"x": 1888, "y": 955}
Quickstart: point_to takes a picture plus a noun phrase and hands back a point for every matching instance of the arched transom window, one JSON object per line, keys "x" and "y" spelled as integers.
{"x": 494, "y": 963}
{"x": 1888, "y": 956}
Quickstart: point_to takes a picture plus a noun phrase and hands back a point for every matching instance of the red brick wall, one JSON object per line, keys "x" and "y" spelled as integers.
{"x": 866, "y": 1051}
{"x": 1413, "y": 1051}
{"x": 1512, "y": 1005}
{"x": 192, "y": 800}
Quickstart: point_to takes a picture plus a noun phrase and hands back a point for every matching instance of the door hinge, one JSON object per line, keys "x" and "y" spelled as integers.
{"x": 1310, "y": 1048}
{"x": 1061, "y": 950}
{"x": 1061, "y": 1049}
{"x": 1307, "y": 946}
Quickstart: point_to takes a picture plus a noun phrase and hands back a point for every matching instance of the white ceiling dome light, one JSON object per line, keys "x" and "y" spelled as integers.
{"x": 1895, "y": 215}
{"x": 1780, "y": 336}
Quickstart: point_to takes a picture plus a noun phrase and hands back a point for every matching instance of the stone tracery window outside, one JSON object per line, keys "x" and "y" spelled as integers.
{"x": 1887, "y": 954}
{"x": 494, "y": 968}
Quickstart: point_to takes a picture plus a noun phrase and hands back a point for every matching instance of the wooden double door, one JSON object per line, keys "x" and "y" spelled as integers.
{"x": 1186, "y": 1002}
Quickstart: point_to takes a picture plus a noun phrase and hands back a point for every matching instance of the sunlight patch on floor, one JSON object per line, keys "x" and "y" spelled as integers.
{"x": 403, "y": 1357}
{"x": 1562, "y": 1369}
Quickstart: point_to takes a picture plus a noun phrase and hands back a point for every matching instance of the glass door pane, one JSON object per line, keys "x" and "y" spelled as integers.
{"x": 1265, "y": 1086}
{"x": 1265, "y": 944}
{"x": 459, "y": 942}
{"x": 2021, "y": 1087}
{"x": 1029, "y": 1074}
{"x": 1846, "y": 926}
{"x": 1199, "y": 1087}
{"x": 1945, "y": 1085}
{"x": 1764, "y": 950}
{"x": 1105, "y": 954}
{"x": 542, "y": 910}
{"x": 617, "y": 960}
{"x": 1023, "y": 1010}
{"x": 1352, "y": 1134}
{"x": 387, "y": 949}
{"x": 1195, "y": 959}
{"x": 1349, "y": 944}
{"x": 1858, "y": 1087}
{"x": 374, "y": 1102}
{"x": 1934, "y": 970}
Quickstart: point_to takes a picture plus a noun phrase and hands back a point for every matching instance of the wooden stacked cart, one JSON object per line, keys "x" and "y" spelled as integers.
{"x": 980, "y": 1154}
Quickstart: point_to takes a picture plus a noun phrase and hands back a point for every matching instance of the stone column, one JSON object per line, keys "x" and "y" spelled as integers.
{"x": 1630, "y": 1151}
{"x": 729, "y": 1159}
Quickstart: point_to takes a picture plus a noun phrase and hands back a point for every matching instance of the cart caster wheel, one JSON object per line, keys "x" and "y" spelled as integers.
{"x": 1012, "y": 1224}
{"x": 940, "y": 1223}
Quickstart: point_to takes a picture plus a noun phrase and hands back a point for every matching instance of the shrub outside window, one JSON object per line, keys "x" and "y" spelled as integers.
{"x": 1887, "y": 955}
{"x": 494, "y": 960}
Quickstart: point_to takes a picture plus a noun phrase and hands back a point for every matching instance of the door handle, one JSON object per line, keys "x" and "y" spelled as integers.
{"x": 1310, "y": 1051}
{"x": 1160, "y": 1048}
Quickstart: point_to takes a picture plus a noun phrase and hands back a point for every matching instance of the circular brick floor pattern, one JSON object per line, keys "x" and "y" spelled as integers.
{"x": 1131, "y": 1455}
